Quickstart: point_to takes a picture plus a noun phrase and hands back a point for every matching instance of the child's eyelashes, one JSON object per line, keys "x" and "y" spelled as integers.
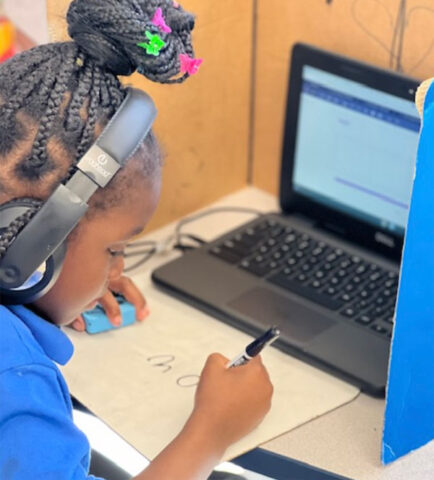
{"x": 116, "y": 253}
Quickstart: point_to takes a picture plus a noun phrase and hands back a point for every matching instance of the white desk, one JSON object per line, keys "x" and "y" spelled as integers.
{"x": 346, "y": 441}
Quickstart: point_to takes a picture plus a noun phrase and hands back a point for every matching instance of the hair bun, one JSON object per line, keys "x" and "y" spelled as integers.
{"x": 104, "y": 51}
{"x": 111, "y": 31}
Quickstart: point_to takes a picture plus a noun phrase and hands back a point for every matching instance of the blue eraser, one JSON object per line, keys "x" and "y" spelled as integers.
{"x": 96, "y": 320}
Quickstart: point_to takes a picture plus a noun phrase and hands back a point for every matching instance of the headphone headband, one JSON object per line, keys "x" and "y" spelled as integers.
{"x": 48, "y": 229}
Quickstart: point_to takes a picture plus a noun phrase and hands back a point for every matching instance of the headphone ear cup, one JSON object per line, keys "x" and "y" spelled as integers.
{"x": 25, "y": 295}
{"x": 32, "y": 289}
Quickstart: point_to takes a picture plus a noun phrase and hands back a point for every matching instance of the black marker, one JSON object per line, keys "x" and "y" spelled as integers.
{"x": 255, "y": 348}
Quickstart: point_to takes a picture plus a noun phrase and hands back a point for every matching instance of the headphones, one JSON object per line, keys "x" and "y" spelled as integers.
{"x": 33, "y": 262}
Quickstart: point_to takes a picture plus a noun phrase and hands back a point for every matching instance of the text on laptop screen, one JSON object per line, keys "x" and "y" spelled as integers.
{"x": 355, "y": 149}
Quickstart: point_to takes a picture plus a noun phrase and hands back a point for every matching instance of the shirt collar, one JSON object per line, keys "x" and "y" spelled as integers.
{"x": 53, "y": 341}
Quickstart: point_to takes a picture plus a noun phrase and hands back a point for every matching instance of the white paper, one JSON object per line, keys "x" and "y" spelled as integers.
{"x": 141, "y": 379}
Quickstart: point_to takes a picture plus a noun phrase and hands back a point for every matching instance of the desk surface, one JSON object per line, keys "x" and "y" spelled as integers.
{"x": 347, "y": 440}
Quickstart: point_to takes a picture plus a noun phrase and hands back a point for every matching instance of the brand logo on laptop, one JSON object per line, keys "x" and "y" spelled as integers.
{"x": 98, "y": 165}
{"x": 384, "y": 239}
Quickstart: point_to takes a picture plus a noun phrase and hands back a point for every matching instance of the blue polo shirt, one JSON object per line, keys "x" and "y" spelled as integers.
{"x": 38, "y": 439}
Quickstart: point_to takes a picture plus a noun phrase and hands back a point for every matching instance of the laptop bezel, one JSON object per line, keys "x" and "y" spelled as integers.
{"x": 375, "y": 238}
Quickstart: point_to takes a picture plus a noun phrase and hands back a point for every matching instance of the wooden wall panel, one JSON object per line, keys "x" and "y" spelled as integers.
{"x": 359, "y": 28}
{"x": 204, "y": 123}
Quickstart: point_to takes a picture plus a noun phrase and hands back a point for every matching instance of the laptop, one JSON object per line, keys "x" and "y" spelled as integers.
{"x": 325, "y": 269}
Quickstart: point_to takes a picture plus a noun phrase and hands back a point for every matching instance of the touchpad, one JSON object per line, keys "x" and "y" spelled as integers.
{"x": 269, "y": 308}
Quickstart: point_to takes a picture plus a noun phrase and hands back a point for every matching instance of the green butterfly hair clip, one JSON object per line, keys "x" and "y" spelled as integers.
{"x": 156, "y": 43}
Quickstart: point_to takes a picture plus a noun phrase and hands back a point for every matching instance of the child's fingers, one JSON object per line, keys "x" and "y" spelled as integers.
{"x": 126, "y": 287}
{"x": 78, "y": 324}
{"x": 111, "y": 308}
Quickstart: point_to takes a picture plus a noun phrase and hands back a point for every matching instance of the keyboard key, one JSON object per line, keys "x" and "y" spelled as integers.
{"x": 375, "y": 276}
{"x": 259, "y": 270}
{"x": 357, "y": 279}
{"x": 364, "y": 319}
{"x": 313, "y": 260}
{"x": 320, "y": 274}
{"x": 348, "y": 312}
{"x": 346, "y": 297}
{"x": 381, "y": 300}
{"x": 289, "y": 239}
{"x": 331, "y": 257}
{"x": 379, "y": 311}
{"x": 301, "y": 277}
{"x": 330, "y": 291}
{"x": 316, "y": 284}
{"x": 361, "y": 269}
{"x": 345, "y": 264}
{"x": 225, "y": 254}
{"x": 303, "y": 245}
{"x": 360, "y": 305}
{"x": 380, "y": 329}
{"x": 272, "y": 265}
{"x": 276, "y": 232}
{"x": 248, "y": 240}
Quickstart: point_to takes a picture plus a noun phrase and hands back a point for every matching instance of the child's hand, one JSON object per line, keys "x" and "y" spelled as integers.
{"x": 230, "y": 403}
{"x": 126, "y": 287}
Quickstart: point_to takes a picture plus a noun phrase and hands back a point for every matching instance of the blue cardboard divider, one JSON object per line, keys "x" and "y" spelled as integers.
{"x": 409, "y": 416}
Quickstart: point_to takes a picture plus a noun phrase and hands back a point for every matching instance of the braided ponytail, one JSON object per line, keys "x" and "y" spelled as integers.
{"x": 70, "y": 91}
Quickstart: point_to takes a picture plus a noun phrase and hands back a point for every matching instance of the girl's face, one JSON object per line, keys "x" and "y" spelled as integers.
{"x": 91, "y": 261}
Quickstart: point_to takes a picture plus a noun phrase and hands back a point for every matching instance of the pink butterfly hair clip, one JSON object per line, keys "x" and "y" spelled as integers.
{"x": 189, "y": 65}
{"x": 159, "y": 21}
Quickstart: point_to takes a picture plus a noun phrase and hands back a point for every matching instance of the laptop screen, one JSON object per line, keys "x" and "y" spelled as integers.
{"x": 355, "y": 149}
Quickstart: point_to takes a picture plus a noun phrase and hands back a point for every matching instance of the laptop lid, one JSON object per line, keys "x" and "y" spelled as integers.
{"x": 349, "y": 147}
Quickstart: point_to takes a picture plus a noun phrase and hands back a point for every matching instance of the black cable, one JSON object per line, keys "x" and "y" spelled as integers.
{"x": 143, "y": 260}
{"x": 155, "y": 247}
{"x": 212, "y": 211}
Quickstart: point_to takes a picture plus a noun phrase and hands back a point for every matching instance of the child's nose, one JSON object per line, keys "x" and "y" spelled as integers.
{"x": 117, "y": 268}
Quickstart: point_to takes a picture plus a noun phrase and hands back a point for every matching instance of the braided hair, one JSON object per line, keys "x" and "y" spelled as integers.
{"x": 56, "y": 98}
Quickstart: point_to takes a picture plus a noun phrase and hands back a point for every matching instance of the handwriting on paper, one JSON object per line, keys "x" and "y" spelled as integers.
{"x": 164, "y": 363}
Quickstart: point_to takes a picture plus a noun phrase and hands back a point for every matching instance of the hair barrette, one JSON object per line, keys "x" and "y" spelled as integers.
{"x": 175, "y": 4}
{"x": 159, "y": 21}
{"x": 156, "y": 43}
{"x": 189, "y": 65}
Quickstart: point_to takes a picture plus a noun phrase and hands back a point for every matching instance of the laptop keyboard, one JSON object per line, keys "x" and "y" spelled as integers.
{"x": 357, "y": 289}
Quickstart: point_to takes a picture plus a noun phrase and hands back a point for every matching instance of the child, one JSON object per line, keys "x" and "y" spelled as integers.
{"x": 54, "y": 102}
